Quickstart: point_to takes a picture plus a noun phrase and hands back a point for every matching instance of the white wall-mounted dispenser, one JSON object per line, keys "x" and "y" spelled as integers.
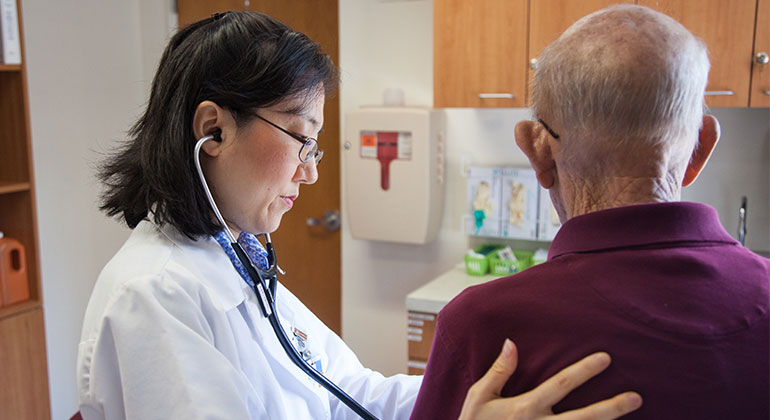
{"x": 394, "y": 180}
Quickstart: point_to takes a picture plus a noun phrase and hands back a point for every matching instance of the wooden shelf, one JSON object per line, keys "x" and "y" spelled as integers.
{"x": 24, "y": 385}
{"x": 18, "y": 308}
{"x": 13, "y": 187}
{"x": 10, "y": 67}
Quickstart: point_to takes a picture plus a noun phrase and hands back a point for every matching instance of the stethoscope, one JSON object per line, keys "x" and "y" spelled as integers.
{"x": 264, "y": 285}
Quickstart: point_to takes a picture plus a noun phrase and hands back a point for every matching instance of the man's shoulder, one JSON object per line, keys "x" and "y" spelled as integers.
{"x": 512, "y": 295}
{"x": 537, "y": 276}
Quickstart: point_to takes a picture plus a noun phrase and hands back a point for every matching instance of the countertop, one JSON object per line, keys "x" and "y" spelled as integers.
{"x": 432, "y": 297}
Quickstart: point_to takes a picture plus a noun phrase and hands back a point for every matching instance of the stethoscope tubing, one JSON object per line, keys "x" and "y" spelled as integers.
{"x": 295, "y": 357}
{"x": 266, "y": 299}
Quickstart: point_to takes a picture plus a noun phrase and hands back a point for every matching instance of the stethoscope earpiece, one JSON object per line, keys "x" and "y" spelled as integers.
{"x": 217, "y": 135}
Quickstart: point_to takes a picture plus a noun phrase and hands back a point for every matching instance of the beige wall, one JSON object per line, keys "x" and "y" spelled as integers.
{"x": 390, "y": 45}
{"x": 88, "y": 63}
{"x": 384, "y": 45}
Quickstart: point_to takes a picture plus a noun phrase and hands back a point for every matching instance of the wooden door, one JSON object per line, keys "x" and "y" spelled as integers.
{"x": 727, "y": 28}
{"x": 479, "y": 53}
{"x": 760, "y": 74}
{"x": 549, "y": 18}
{"x": 310, "y": 255}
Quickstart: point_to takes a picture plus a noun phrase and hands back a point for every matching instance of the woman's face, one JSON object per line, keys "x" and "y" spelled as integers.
{"x": 256, "y": 175}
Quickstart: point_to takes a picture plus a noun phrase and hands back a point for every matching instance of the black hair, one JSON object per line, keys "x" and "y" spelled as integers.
{"x": 238, "y": 60}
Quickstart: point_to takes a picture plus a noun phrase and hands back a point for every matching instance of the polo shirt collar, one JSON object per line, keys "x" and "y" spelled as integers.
{"x": 639, "y": 225}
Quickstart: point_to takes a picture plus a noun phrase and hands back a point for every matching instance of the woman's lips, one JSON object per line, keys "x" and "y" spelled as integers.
{"x": 289, "y": 200}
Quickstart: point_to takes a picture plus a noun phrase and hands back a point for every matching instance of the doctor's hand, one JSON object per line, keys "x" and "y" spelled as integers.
{"x": 483, "y": 400}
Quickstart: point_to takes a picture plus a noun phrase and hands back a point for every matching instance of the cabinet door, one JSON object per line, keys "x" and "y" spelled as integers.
{"x": 24, "y": 383}
{"x": 549, "y": 18}
{"x": 760, "y": 76}
{"x": 480, "y": 51}
{"x": 727, "y": 28}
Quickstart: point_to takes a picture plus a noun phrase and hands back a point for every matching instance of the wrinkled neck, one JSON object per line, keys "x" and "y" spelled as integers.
{"x": 600, "y": 175}
{"x": 581, "y": 197}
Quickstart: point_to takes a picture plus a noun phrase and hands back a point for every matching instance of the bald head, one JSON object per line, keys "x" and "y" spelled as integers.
{"x": 623, "y": 89}
{"x": 623, "y": 74}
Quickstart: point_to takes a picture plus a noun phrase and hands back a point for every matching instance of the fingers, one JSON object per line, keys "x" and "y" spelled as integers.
{"x": 492, "y": 382}
{"x": 556, "y": 387}
{"x": 612, "y": 408}
{"x": 489, "y": 386}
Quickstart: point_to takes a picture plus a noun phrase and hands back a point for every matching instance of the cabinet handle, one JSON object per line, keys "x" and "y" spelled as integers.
{"x": 720, "y": 93}
{"x": 417, "y": 365}
{"x": 496, "y": 96}
{"x": 533, "y": 64}
{"x": 762, "y": 58}
{"x": 766, "y": 92}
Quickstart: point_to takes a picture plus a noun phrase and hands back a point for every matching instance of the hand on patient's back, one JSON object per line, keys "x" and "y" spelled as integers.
{"x": 483, "y": 400}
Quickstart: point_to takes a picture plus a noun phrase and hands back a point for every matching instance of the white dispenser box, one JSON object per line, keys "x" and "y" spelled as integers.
{"x": 394, "y": 180}
{"x": 484, "y": 201}
{"x": 519, "y": 203}
{"x": 548, "y": 221}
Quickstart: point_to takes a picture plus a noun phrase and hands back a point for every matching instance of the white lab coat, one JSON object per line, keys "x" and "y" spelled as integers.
{"x": 173, "y": 332}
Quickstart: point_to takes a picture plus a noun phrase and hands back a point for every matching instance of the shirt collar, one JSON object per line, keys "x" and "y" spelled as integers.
{"x": 639, "y": 225}
{"x": 210, "y": 263}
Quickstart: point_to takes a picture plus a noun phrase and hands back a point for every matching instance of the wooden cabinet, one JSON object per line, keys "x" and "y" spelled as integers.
{"x": 24, "y": 384}
{"x": 480, "y": 53}
{"x": 727, "y": 28}
{"x": 23, "y": 372}
{"x": 760, "y": 74}
{"x": 478, "y": 46}
{"x": 421, "y": 327}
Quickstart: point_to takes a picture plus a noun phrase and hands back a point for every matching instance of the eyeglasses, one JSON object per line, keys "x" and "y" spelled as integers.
{"x": 547, "y": 128}
{"x": 309, "y": 147}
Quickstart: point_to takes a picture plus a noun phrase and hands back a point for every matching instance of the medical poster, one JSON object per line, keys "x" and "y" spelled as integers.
{"x": 483, "y": 201}
{"x": 519, "y": 199}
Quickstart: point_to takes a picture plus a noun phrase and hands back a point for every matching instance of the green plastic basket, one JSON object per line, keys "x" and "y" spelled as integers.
{"x": 476, "y": 266}
{"x": 479, "y": 266}
{"x": 501, "y": 267}
{"x": 524, "y": 258}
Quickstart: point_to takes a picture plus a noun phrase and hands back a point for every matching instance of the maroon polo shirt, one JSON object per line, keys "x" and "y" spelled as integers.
{"x": 681, "y": 307}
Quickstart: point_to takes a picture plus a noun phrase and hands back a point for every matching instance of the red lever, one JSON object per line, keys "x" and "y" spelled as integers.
{"x": 387, "y": 150}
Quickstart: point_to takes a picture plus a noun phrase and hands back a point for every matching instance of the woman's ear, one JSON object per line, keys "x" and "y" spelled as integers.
{"x": 208, "y": 120}
{"x": 708, "y": 136}
{"x": 533, "y": 141}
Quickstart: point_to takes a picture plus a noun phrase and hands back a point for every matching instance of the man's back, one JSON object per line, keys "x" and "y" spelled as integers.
{"x": 680, "y": 306}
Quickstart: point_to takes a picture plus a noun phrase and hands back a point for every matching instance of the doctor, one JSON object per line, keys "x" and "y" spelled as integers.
{"x": 172, "y": 330}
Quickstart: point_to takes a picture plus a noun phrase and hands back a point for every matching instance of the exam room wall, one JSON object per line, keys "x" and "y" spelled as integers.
{"x": 390, "y": 45}
{"x": 89, "y": 65}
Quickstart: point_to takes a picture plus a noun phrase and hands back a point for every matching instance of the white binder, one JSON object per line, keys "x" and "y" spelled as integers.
{"x": 9, "y": 30}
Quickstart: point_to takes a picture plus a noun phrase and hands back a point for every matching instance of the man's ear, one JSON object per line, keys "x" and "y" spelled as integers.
{"x": 209, "y": 117}
{"x": 533, "y": 141}
{"x": 707, "y": 140}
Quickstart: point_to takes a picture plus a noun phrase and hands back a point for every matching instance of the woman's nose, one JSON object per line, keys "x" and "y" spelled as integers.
{"x": 307, "y": 172}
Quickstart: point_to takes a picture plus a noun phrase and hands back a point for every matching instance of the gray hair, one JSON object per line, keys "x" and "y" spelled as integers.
{"x": 623, "y": 73}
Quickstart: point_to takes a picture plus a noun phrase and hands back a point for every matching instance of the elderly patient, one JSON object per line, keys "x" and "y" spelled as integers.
{"x": 658, "y": 283}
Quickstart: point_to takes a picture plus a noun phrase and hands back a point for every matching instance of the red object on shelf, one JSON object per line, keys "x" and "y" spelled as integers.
{"x": 14, "y": 287}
